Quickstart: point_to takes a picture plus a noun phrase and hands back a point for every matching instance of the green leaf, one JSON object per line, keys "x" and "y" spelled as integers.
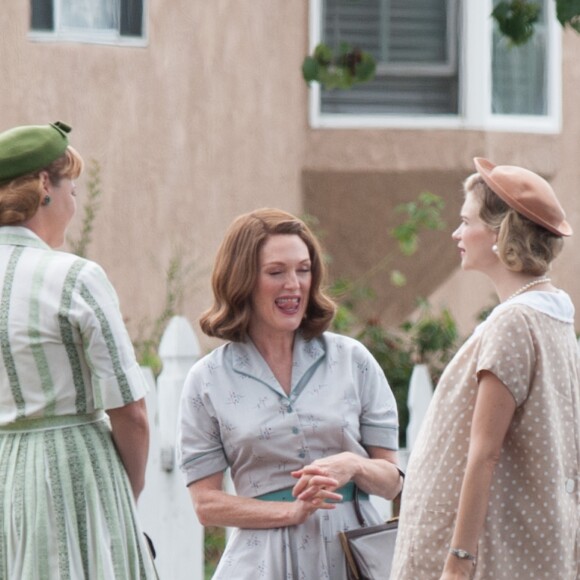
{"x": 398, "y": 278}
{"x": 366, "y": 68}
{"x": 323, "y": 54}
{"x": 409, "y": 246}
{"x": 310, "y": 69}
{"x": 568, "y": 12}
{"x": 344, "y": 49}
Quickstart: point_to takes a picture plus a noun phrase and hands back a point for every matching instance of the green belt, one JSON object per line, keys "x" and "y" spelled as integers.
{"x": 46, "y": 423}
{"x": 347, "y": 492}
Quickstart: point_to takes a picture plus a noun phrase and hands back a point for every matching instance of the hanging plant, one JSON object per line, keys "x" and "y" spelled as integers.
{"x": 516, "y": 19}
{"x": 349, "y": 66}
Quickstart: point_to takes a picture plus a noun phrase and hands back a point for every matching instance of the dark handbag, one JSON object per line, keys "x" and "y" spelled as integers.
{"x": 369, "y": 550}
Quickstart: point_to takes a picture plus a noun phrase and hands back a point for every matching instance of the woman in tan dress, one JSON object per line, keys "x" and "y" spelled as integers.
{"x": 492, "y": 487}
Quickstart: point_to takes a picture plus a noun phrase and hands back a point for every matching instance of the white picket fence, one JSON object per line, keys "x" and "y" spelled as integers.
{"x": 165, "y": 509}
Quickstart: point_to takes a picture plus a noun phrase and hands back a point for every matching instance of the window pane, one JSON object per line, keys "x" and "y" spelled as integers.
{"x": 92, "y": 14}
{"x": 131, "y": 17}
{"x": 416, "y": 31}
{"x": 41, "y": 12}
{"x": 415, "y": 52}
{"x": 519, "y": 73}
{"x": 400, "y": 96}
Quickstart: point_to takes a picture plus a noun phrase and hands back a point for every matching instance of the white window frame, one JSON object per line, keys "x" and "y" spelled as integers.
{"x": 475, "y": 82}
{"x": 88, "y": 35}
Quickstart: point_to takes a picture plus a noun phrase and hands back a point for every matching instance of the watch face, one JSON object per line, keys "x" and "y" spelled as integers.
{"x": 462, "y": 554}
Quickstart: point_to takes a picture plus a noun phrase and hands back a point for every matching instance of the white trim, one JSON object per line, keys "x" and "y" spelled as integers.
{"x": 475, "y": 85}
{"x": 88, "y": 37}
{"x": 314, "y": 29}
{"x": 554, "y": 68}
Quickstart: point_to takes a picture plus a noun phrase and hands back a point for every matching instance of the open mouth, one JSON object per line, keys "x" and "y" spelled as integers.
{"x": 288, "y": 305}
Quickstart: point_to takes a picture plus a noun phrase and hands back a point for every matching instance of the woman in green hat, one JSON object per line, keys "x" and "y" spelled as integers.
{"x": 69, "y": 471}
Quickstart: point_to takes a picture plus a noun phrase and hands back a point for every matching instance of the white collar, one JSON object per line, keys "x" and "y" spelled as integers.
{"x": 555, "y": 304}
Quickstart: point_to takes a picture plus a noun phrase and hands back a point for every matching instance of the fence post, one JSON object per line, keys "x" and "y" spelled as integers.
{"x": 418, "y": 399}
{"x": 165, "y": 508}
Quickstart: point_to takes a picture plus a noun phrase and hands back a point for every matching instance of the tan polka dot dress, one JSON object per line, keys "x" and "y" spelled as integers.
{"x": 532, "y": 524}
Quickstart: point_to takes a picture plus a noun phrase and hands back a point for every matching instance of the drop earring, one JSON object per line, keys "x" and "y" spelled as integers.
{"x": 45, "y": 200}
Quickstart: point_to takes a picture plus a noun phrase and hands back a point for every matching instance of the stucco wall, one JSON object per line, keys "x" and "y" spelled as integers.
{"x": 210, "y": 120}
{"x": 206, "y": 122}
{"x": 556, "y": 158}
{"x": 342, "y": 169}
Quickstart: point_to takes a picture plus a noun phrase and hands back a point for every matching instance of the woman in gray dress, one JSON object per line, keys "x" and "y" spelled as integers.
{"x": 299, "y": 414}
{"x": 69, "y": 474}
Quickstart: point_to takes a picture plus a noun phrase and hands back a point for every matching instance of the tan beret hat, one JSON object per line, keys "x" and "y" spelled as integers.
{"x": 527, "y": 193}
{"x": 29, "y": 148}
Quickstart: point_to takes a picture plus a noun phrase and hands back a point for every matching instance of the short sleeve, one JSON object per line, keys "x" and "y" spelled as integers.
{"x": 379, "y": 419}
{"x": 116, "y": 377}
{"x": 201, "y": 453}
{"x": 507, "y": 351}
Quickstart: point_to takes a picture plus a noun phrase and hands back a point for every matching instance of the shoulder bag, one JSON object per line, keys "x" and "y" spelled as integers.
{"x": 369, "y": 550}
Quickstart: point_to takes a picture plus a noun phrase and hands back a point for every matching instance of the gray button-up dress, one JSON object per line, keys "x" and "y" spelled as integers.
{"x": 235, "y": 414}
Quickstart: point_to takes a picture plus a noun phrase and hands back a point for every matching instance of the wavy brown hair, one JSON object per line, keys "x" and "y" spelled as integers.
{"x": 20, "y": 197}
{"x": 523, "y": 246}
{"x": 236, "y": 269}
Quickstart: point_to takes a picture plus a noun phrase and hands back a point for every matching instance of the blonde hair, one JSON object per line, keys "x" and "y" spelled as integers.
{"x": 20, "y": 197}
{"x": 236, "y": 269}
{"x": 523, "y": 246}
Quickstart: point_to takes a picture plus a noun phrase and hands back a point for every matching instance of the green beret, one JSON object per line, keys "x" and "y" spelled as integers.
{"x": 29, "y": 148}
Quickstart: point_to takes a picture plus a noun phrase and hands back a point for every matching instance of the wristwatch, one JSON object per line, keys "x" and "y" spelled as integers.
{"x": 462, "y": 554}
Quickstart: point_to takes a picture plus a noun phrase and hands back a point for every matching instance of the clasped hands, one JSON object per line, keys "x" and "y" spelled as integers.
{"x": 318, "y": 482}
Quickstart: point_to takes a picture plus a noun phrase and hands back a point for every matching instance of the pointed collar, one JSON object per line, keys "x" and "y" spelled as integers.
{"x": 248, "y": 361}
{"x": 21, "y": 236}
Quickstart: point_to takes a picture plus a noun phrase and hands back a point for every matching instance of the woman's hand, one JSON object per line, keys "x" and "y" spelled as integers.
{"x": 457, "y": 569}
{"x": 323, "y": 476}
{"x": 303, "y": 509}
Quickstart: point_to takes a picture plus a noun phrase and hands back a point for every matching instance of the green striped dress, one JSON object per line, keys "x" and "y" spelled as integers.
{"x": 66, "y": 507}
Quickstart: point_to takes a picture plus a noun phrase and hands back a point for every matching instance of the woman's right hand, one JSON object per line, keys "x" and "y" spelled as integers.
{"x": 303, "y": 509}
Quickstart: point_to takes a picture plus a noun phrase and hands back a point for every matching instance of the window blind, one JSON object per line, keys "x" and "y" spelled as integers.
{"x": 415, "y": 44}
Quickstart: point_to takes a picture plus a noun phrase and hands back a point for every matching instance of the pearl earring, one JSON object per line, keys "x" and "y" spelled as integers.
{"x": 495, "y": 249}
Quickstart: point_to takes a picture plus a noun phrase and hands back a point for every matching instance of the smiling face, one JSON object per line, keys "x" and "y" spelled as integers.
{"x": 474, "y": 238}
{"x": 282, "y": 289}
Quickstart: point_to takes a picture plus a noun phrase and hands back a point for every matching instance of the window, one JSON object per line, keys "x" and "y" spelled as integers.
{"x": 440, "y": 63}
{"x": 519, "y": 81}
{"x": 107, "y": 21}
{"x": 415, "y": 44}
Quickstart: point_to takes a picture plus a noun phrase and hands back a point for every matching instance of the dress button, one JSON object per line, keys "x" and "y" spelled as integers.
{"x": 570, "y": 485}
{"x": 295, "y": 430}
{"x": 289, "y": 409}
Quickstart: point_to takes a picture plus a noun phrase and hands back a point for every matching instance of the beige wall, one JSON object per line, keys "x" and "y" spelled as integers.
{"x": 206, "y": 122}
{"x": 210, "y": 120}
{"x": 354, "y": 179}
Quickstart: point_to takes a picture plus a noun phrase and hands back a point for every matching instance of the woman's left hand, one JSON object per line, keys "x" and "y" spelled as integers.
{"x": 456, "y": 569}
{"x": 328, "y": 473}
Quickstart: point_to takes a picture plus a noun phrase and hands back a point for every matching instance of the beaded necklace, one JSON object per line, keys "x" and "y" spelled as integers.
{"x": 528, "y": 286}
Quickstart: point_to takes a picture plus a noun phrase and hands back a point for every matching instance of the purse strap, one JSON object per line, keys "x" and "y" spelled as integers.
{"x": 355, "y": 499}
